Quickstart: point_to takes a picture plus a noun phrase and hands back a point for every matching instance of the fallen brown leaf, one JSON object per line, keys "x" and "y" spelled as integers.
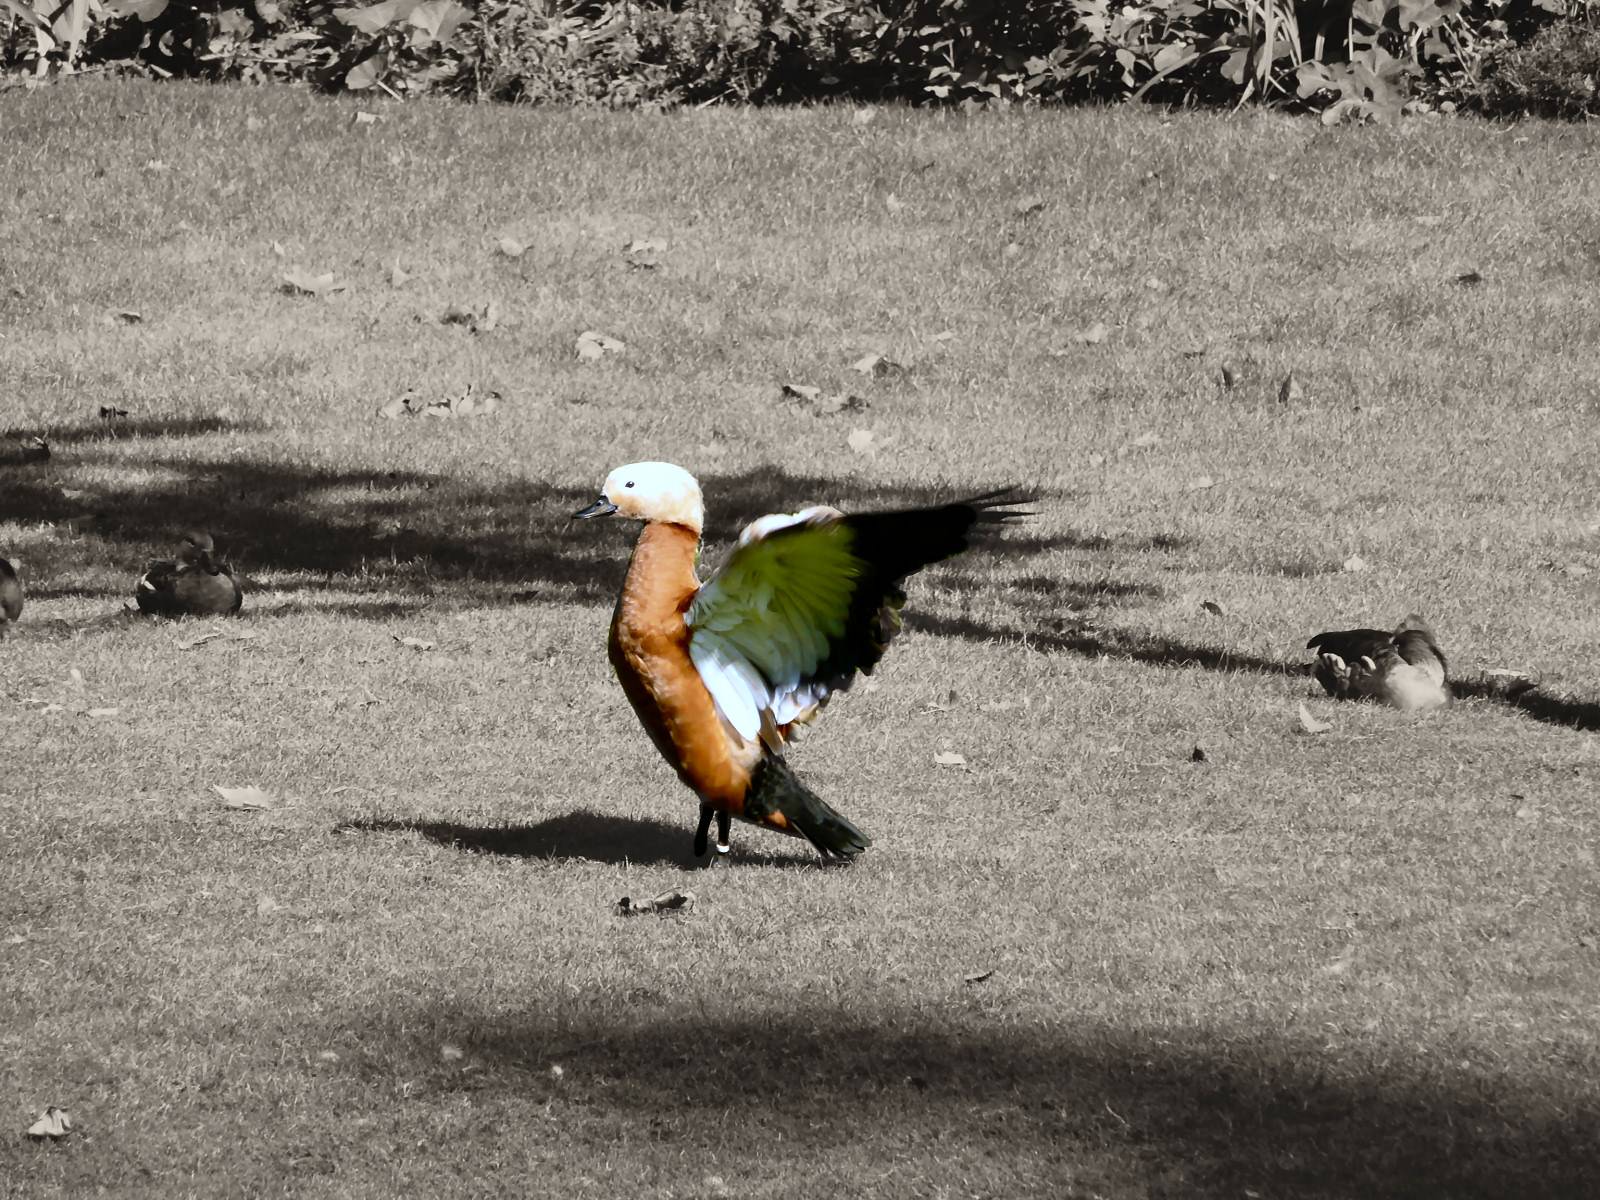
{"x": 250, "y": 799}
{"x": 592, "y": 345}
{"x": 54, "y": 1123}
{"x": 1310, "y": 724}
{"x": 298, "y": 282}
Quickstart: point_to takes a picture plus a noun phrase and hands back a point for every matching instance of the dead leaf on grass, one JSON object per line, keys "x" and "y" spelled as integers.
{"x": 643, "y": 254}
{"x": 54, "y": 1123}
{"x": 474, "y": 320}
{"x": 510, "y": 247}
{"x": 666, "y": 902}
{"x": 949, "y": 758}
{"x": 1309, "y": 724}
{"x": 1030, "y": 206}
{"x": 802, "y": 391}
{"x": 1353, "y": 564}
{"x": 1469, "y": 278}
{"x": 364, "y": 118}
{"x": 1212, "y": 607}
{"x": 266, "y": 906}
{"x": 300, "y": 282}
{"x": 1229, "y": 375}
{"x": 1341, "y": 964}
{"x": 246, "y": 799}
{"x": 979, "y": 976}
{"x": 414, "y": 643}
{"x": 110, "y": 412}
{"x": 878, "y": 366}
{"x": 862, "y": 441}
{"x": 1290, "y": 390}
{"x": 838, "y": 402}
{"x": 1093, "y": 335}
{"x": 128, "y": 316}
{"x": 398, "y": 275}
{"x": 863, "y": 116}
{"x": 893, "y": 203}
{"x": 1202, "y": 483}
{"x": 450, "y": 1052}
{"x": 102, "y": 712}
{"x": 1198, "y": 754}
{"x": 278, "y": 250}
{"x": 592, "y": 345}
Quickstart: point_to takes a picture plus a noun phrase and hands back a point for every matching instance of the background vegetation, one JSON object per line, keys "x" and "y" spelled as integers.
{"x": 1351, "y": 59}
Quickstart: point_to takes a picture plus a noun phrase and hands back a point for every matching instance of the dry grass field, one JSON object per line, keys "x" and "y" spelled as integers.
{"x": 1083, "y": 964}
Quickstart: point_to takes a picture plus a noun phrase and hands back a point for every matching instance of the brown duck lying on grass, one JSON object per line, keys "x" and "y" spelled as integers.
{"x": 10, "y": 592}
{"x": 196, "y": 585}
{"x": 1404, "y": 668}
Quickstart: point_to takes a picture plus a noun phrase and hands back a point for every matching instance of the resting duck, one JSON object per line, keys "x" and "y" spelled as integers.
{"x": 722, "y": 673}
{"x": 1404, "y": 668}
{"x": 195, "y": 585}
{"x": 10, "y": 592}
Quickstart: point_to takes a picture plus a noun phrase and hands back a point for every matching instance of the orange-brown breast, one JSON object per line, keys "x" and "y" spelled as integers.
{"x": 650, "y": 651}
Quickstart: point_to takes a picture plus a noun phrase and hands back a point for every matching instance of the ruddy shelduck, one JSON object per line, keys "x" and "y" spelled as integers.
{"x": 196, "y": 584}
{"x": 10, "y": 592}
{"x": 1404, "y": 668}
{"x": 722, "y": 673}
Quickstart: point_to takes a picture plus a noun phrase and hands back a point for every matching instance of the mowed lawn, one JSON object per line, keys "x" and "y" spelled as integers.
{"x": 1361, "y": 963}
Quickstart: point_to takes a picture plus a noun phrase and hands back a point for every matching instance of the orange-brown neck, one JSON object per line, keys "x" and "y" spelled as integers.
{"x": 661, "y": 580}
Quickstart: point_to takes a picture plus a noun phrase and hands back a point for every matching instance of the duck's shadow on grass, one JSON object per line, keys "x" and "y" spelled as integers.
{"x": 595, "y": 837}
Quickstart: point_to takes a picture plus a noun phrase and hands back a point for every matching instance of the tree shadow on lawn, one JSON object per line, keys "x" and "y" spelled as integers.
{"x": 421, "y": 531}
{"x": 1185, "y": 1113}
{"x": 1567, "y": 711}
{"x": 597, "y": 837}
{"x": 1108, "y": 643}
{"x": 440, "y": 537}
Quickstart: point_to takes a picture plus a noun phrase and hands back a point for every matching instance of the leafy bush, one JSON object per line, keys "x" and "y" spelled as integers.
{"x": 1557, "y": 74}
{"x": 1352, "y": 59}
{"x": 655, "y": 54}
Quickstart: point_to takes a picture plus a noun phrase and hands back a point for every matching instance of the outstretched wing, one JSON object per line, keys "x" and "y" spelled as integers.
{"x": 807, "y": 600}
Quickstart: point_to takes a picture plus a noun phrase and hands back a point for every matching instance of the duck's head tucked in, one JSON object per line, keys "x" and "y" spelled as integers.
{"x": 196, "y": 547}
{"x": 650, "y": 491}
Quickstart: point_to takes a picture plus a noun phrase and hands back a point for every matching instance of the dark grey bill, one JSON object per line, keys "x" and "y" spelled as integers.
{"x": 600, "y": 508}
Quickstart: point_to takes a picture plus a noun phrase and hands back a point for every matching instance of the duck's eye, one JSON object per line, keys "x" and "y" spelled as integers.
{"x": 628, "y": 484}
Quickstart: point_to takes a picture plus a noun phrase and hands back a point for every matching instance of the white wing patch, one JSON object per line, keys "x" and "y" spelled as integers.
{"x": 736, "y": 686}
{"x": 765, "y": 526}
{"x": 752, "y": 649}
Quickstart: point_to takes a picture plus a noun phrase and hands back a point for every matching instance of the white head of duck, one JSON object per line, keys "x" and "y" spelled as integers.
{"x": 650, "y": 491}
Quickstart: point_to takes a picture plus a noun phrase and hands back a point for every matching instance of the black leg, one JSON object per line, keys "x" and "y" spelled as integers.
{"x": 723, "y": 823}
{"x": 702, "y": 829}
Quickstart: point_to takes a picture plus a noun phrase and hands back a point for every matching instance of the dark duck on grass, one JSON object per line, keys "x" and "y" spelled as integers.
{"x": 195, "y": 585}
{"x": 10, "y": 592}
{"x": 1404, "y": 667}
{"x": 723, "y": 674}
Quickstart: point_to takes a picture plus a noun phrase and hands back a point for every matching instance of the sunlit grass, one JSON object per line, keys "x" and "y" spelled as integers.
{"x": 1353, "y": 965}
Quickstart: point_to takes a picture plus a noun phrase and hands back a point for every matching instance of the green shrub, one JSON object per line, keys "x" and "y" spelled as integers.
{"x": 1557, "y": 74}
{"x": 659, "y": 55}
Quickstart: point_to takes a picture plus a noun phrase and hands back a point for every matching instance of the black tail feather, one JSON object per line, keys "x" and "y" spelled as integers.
{"x": 775, "y": 788}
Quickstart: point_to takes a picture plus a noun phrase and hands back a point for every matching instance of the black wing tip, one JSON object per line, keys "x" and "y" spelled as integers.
{"x": 997, "y": 506}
